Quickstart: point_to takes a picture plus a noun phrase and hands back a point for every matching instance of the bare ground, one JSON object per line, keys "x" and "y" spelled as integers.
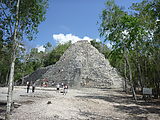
{"x": 78, "y": 104}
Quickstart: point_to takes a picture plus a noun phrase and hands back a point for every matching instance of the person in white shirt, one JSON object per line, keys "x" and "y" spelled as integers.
{"x": 58, "y": 86}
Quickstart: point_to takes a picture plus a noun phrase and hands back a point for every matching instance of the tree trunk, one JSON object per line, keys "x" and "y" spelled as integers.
{"x": 10, "y": 90}
{"x": 11, "y": 76}
{"x": 6, "y": 83}
{"x": 157, "y": 79}
{"x": 140, "y": 76}
{"x": 130, "y": 74}
{"x": 125, "y": 75}
{"x": 139, "y": 69}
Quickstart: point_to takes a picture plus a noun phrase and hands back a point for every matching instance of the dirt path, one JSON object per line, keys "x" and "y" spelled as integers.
{"x": 82, "y": 104}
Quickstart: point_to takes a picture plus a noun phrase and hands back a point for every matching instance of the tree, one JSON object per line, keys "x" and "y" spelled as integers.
{"x": 47, "y": 46}
{"x": 18, "y": 18}
{"x": 102, "y": 48}
{"x": 113, "y": 30}
{"x": 56, "y": 53}
{"x": 134, "y": 38}
{"x": 4, "y": 61}
{"x": 149, "y": 13}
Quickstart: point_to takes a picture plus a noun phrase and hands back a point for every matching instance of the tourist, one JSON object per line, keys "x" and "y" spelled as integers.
{"x": 53, "y": 83}
{"x": 28, "y": 86}
{"x": 62, "y": 84}
{"x": 81, "y": 83}
{"x": 58, "y": 86}
{"x": 33, "y": 87}
{"x": 65, "y": 89}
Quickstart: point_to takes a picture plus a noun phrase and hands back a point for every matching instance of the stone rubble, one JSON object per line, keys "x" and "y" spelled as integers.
{"x": 81, "y": 64}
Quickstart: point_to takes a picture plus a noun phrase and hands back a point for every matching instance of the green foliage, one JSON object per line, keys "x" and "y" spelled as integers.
{"x": 56, "y": 53}
{"x": 31, "y": 14}
{"x": 102, "y": 48}
{"x": 4, "y": 60}
{"x": 135, "y": 36}
{"x": 34, "y": 60}
{"x": 48, "y": 46}
{"x": 29, "y": 63}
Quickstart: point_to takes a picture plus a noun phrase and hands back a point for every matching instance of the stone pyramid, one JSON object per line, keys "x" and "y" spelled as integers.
{"x": 80, "y": 65}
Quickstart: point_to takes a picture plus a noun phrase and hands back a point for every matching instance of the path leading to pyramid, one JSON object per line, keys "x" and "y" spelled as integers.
{"x": 82, "y": 104}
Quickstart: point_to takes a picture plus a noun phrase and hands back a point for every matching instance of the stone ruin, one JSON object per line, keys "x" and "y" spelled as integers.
{"x": 80, "y": 65}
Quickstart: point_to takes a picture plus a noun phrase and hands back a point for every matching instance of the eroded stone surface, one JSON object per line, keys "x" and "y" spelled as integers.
{"x": 80, "y": 64}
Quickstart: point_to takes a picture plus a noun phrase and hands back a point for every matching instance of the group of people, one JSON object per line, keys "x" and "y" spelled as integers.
{"x": 64, "y": 87}
{"x": 28, "y": 86}
{"x": 58, "y": 86}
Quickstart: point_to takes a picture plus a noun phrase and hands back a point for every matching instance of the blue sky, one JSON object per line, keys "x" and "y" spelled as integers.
{"x": 77, "y": 19}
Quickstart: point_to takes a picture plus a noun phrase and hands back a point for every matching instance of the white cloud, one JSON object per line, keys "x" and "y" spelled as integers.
{"x": 40, "y": 48}
{"x": 62, "y": 38}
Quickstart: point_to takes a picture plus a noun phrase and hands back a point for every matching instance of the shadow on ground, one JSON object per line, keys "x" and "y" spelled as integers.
{"x": 138, "y": 109}
{"x": 110, "y": 98}
{"x": 126, "y": 104}
{"x": 2, "y": 109}
{"x": 94, "y": 116}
